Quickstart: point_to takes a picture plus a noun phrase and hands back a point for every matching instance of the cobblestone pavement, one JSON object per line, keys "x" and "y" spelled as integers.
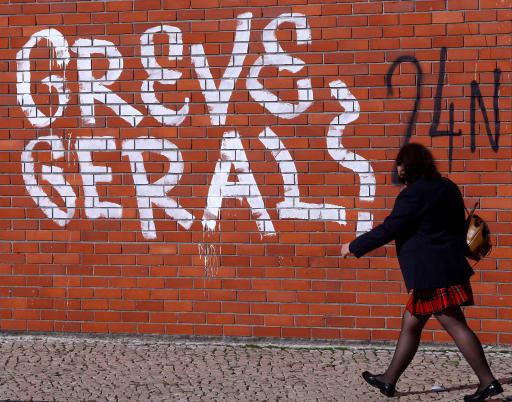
{"x": 80, "y": 368}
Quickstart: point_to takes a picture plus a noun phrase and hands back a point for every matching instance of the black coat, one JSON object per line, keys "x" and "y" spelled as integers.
{"x": 428, "y": 226}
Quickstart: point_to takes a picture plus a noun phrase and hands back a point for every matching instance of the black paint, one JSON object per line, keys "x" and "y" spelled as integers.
{"x": 434, "y": 126}
{"x": 476, "y": 94}
{"x": 419, "y": 80}
{"x": 434, "y": 131}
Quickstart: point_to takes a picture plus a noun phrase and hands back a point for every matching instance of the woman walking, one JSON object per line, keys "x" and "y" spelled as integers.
{"x": 428, "y": 226}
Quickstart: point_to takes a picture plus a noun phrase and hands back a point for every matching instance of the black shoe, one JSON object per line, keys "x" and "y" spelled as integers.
{"x": 384, "y": 387}
{"x": 494, "y": 388}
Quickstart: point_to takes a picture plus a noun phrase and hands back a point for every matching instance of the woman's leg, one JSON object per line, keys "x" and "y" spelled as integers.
{"x": 406, "y": 348}
{"x": 454, "y": 322}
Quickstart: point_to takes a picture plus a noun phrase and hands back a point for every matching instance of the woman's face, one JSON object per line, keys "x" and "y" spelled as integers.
{"x": 400, "y": 171}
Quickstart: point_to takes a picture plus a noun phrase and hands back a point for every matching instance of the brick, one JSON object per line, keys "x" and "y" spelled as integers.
{"x": 391, "y": 19}
{"x": 397, "y": 31}
{"x": 367, "y": 32}
{"x": 176, "y": 4}
{"x": 147, "y": 4}
{"x": 90, "y": 7}
{"x": 493, "y": 4}
{"x": 22, "y": 20}
{"x": 120, "y": 5}
{"x": 415, "y": 19}
{"x": 447, "y": 17}
{"x": 431, "y": 5}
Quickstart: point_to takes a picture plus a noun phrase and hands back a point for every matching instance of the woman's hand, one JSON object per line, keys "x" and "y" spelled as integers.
{"x": 345, "y": 251}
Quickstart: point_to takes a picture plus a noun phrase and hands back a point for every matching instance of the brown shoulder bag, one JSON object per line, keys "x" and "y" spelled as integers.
{"x": 478, "y": 236}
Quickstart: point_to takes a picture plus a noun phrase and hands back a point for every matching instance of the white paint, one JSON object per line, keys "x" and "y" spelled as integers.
{"x": 276, "y": 56}
{"x": 364, "y": 222}
{"x": 348, "y": 159}
{"x": 24, "y": 80}
{"x": 217, "y": 98}
{"x": 92, "y": 88}
{"x": 232, "y": 155}
{"x": 149, "y": 194}
{"x": 210, "y": 256}
{"x": 292, "y": 207}
{"x": 157, "y": 73}
{"x": 54, "y": 176}
{"x": 94, "y": 174}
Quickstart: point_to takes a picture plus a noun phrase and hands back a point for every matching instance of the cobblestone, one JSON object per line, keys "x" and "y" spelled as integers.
{"x": 81, "y": 368}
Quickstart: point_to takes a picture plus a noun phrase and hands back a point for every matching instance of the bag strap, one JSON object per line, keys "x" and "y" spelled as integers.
{"x": 477, "y": 204}
{"x": 470, "y": 214}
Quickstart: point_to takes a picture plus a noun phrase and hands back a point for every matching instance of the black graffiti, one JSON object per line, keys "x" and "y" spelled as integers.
{"x": 419, "y": 80}
{"x": 434, "y": 126}
{"x": 433, "y": 131}
{"x": 476, "y": 94}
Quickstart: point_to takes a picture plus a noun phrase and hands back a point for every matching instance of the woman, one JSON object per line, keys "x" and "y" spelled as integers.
{"x": 428, "y": 226}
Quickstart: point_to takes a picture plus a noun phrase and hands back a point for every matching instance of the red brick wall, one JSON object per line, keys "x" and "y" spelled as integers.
{"x": 214, "y": 202}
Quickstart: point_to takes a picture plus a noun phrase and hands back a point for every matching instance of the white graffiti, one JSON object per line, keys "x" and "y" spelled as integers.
{"x": 232, "y": 154}
{"x": 54, "y": 176}
{"x": 292, "y": 207}
{"x": 24, "y": 77}
{"x": 149, "y": 194}
{"x": 60, "y": 205}
{"x": 156, "y": 73}
{"x": 92, "y": 88}
{"x": 94, "y": 174}
{"x": 276, "y": 56}
{"x": 217, "y": 99}
{"x": 348, "y": 159}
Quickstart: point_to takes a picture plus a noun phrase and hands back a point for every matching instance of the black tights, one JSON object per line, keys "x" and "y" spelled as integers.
{"x": 454, "y": 322}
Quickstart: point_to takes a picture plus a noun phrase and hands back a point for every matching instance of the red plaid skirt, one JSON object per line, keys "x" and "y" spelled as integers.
{"x": 430, "y": 301}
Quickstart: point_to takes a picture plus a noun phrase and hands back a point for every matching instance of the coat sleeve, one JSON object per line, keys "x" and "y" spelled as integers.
{"x": 402, "y": 218}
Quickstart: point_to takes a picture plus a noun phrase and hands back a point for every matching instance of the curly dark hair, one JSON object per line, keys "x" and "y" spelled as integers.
{"x": 416, "y": 162}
